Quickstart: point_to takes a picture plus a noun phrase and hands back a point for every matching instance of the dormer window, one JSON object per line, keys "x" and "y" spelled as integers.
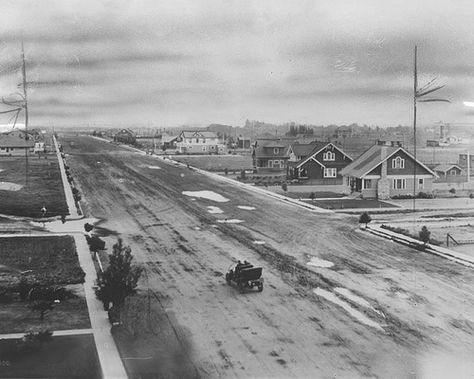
{"x": 398, "y": 162}
{"x": 276, "y": 150}
{"x": 329, "y": 156}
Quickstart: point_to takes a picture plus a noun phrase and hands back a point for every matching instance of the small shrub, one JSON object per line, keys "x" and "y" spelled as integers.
{"x": 471, "y": 196}
{"x": 424, "y": 235}
{"x": 452, "y": 191}
{"x": 284, "y": 186}
{"x": 88, "y": 227}
{"x": 243, "y": 175}
{"x": 95, "y": 243}
{"x": 365, "y": 219}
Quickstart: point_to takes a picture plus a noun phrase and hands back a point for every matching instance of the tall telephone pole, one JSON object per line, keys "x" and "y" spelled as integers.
{"x": 25, "y": 105}
{"x": 418, "y": 94}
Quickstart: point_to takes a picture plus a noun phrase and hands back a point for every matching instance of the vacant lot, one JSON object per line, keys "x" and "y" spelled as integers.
{"x": 217, "y": 162}
{"x": 44, "y": 187}
{"x": 51, "y": 259}
{"x": 62, "y": 357}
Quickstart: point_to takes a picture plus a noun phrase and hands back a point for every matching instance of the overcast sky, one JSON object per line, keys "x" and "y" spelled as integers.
{"x": 197, "y": 62}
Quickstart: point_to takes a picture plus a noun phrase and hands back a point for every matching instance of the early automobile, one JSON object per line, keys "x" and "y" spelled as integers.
{"x": 245, "y": 275}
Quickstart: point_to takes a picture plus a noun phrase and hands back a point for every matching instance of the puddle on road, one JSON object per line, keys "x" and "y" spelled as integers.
{"x": 7, "y": 186}
{"x": 259, "y": 242}
{"x": 210, "y": 195}
{"x": 155, "y": 167}
{"x": 317, "y": 262}
{"x": 246, "y": 207}
{"x": 214, "y": 210}
{"x": 230, "y": 221}
{"x": 357, "y": 299}
{"x": 353, "y": 312}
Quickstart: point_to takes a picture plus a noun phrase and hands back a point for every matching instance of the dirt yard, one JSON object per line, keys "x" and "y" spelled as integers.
{"x": 363, "y": 307}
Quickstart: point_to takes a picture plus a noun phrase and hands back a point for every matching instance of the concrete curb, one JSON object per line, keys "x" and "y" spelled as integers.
{"x": 454, "y": 256}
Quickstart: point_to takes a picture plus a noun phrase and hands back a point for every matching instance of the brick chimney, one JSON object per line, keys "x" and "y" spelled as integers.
{"x": 383, "y": 185}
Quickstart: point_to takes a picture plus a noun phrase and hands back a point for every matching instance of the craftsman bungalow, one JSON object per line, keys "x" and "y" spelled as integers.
{"x": 199, "y": 142}
{"x": 317, "y": 162}
{"x": 386, "y": 170}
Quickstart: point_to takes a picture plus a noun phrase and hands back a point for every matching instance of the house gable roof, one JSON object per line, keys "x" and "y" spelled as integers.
{"x": 446, "y": 167}
{"x": 373, "y": 157}
{"x": 318, "y": 147}
{"x": 264, "y": 145}
{"x": 197, "y": 133}
{"x": 15, "y": 141}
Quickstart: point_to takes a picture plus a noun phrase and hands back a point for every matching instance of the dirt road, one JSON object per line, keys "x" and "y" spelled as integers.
{"x": 406, "y": 311}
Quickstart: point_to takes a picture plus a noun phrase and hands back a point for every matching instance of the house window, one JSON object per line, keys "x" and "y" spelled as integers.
{"x": 398, "y": 163}
{"x": 275, "y": 150}
{"x": 421, "y": 183}
{"x": 212, "y": 147}
{"x": 399, "y": 183}
{"x": 330, "y": 172}
{"x": 270, "y": 164}
{"x": 197, "y": 140}
{"x": 329, "y": 156}
{"x": 367, "y": 183}
{"x": 276, "y": 164}
{"x": 203, "y": 140}
{"x": 453, "y": 172}
{"x": 282, "y": 164}
{"x": 204, "y": 148}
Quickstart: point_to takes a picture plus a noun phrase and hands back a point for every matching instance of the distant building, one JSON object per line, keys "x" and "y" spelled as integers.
{"x": 271, "y": 155}
{"x": 450, "y": 173}
{"x": 125, "y": 136}
{"x": 168, "y": 142}
{"x": 432, "y": 143}
{"x": 243, "y": 143}
{"x": 199, "y": 142}
{"x": 386, "y": 170}
{"x": 16, "y": 143}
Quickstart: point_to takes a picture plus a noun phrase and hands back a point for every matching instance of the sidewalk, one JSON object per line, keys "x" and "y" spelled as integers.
{"x": 69, "y": 332}
{"x": 67, "y": 188}
{"x": 109, "y": 357}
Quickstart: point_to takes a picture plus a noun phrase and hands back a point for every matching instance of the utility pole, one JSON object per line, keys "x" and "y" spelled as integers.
{"x": 415, "y": 89}
{"x": 23, "y": 71}
{"x": 418, "y": 94}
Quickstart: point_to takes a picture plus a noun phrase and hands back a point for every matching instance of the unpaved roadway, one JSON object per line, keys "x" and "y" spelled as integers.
{"x": 418, "y": 308}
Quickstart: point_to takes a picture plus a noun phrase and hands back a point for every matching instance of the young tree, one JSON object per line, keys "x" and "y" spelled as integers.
{"x": 365, "y": 219}
{"x": 424, "y": 235}
{"x": 120, "y": 279}
{"x": 284, "y": 186}
{"x": 312, "y": 196}
{"x": 42, "y": 306}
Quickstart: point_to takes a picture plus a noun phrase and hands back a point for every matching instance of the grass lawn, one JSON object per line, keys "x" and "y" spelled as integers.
{"x": 217, "y": 162}
{"x": 45, "y": 187}
{"x": 61, "y": 357}
{"x": 319, "y": 194}
{"x": 351, "y": 203}
{"x": 51, "y": 259}
{"x": 17, "y": 317}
